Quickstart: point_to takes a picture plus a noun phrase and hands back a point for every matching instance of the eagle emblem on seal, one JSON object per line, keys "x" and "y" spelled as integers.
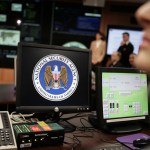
{"x": 55, "y": 79}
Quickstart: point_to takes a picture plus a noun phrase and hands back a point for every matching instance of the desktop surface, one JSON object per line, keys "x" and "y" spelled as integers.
{"x": 87, "y": 138}
{"x": 98, "y": 140}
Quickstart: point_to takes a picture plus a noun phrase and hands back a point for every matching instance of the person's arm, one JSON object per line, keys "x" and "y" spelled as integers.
{"x": 120, "y": 49}
{"x": 130, "y": 49}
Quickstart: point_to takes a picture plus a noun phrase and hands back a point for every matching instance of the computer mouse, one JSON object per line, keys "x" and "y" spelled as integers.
{"x": 141, "y": 142}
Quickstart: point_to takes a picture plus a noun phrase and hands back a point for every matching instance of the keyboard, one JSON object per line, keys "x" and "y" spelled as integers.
{"x": 108, "y": 148}
{"x": 7, "y": 138}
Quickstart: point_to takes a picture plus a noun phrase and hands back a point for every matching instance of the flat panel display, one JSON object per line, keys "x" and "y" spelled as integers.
{"x": 76, "y": 20}
{"x": 3, "y": 17}
{"x": 53, "y": 79}
{"x": 124, "y": 95}
{"x": 122, "y": 99}
{"x": 9, "y": 37}
{"x": 114, "y": 38}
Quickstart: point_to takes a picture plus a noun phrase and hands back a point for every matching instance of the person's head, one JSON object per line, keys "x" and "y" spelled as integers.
{"x": 143, "y": 17}
{"x": 99, "y": 36}
{"x": 132, "y": 59}
{"x": 125, "y": 36}
{"x": 115, "y": 57}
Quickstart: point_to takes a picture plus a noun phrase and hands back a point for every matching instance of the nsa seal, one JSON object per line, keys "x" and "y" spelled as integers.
{"x": 55, "y": 77}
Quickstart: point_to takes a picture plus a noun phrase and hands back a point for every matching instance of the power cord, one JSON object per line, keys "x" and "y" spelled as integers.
{"x": 20, "y": 118}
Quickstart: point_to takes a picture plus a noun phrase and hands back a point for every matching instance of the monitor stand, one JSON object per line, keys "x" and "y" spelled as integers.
{"x": 125, "y": 128}
{"x": 68, "y": 127}
{"x": 54, "y": 117}
{"x": 117, "y": 128}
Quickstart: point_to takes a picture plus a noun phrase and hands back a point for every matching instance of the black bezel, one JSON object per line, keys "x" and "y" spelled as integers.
{"x": 101, "y": 121}
{"x": 41, "y": 109}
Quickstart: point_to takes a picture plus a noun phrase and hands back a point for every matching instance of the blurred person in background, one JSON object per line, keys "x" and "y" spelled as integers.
{"x": 98, "y": 47}
{"x": 132, "y": 58}
{"x": 115, "y": 59}
{"x": 126, "y": 48}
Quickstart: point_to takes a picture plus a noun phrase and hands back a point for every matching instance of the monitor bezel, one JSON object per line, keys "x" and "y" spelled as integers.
{"x": 48, "y": 109}
{"x": 99, "y": 108}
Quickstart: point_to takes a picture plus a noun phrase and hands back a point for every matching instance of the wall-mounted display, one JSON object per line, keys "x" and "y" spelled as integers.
{"x": 9, "y": 37}
{"x": 3, "y": 17}
{"x": 16, "y": 7}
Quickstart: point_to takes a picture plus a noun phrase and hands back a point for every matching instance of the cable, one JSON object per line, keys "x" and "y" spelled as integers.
{"x": 85, "y": 128}
{"x": 91, "y": 130}
{"x": 74, "y": 116}
{"x": 19, "y": 117}
{"x": 75, "y": 142}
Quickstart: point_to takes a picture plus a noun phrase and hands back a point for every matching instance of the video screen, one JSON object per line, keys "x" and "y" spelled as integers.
{"x": 114, "y": 38}
{"x": 16, "y": 7}
{"x": 32, "y": 12}
{"x": 124, "y": 95}
{"x": 54, "y": 77}
{"x": 88, "y": 23}
{"x": 77, "y": 20}
{"x": 3, "y": 18}
{"x": 31, "y": 32}
{"x": 9, "y": 37}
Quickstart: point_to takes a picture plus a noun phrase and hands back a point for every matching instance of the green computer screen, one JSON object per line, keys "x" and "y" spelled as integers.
{"x": 124, "y": 95}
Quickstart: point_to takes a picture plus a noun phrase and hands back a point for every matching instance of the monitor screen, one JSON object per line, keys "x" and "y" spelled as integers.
{"x": 114, "y": 37}
{"x": 76, "y": 19}
{"x": 52, "y": 78}
{"x": 3, "y": 17}
{"x": 123, "y": 95}
{"x": 16, "y": 7}
{"x": 31, "y": 32}
{"x": 9, "y": 37}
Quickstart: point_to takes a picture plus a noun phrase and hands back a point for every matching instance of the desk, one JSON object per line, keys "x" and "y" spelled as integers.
{"x": 7, "y": 96}
{"x": 87, "y": 139}
{"x": 97, "y": 140}
{"x": 86, "y": 142}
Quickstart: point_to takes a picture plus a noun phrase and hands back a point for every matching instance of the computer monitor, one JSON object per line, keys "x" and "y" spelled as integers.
{"x": 9, "y": 37}
{"x": 122, "y": 99}
{"x": 76, "y": 19}
{"x": 52, "y": 79}
{"x": 114, "y": 37}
